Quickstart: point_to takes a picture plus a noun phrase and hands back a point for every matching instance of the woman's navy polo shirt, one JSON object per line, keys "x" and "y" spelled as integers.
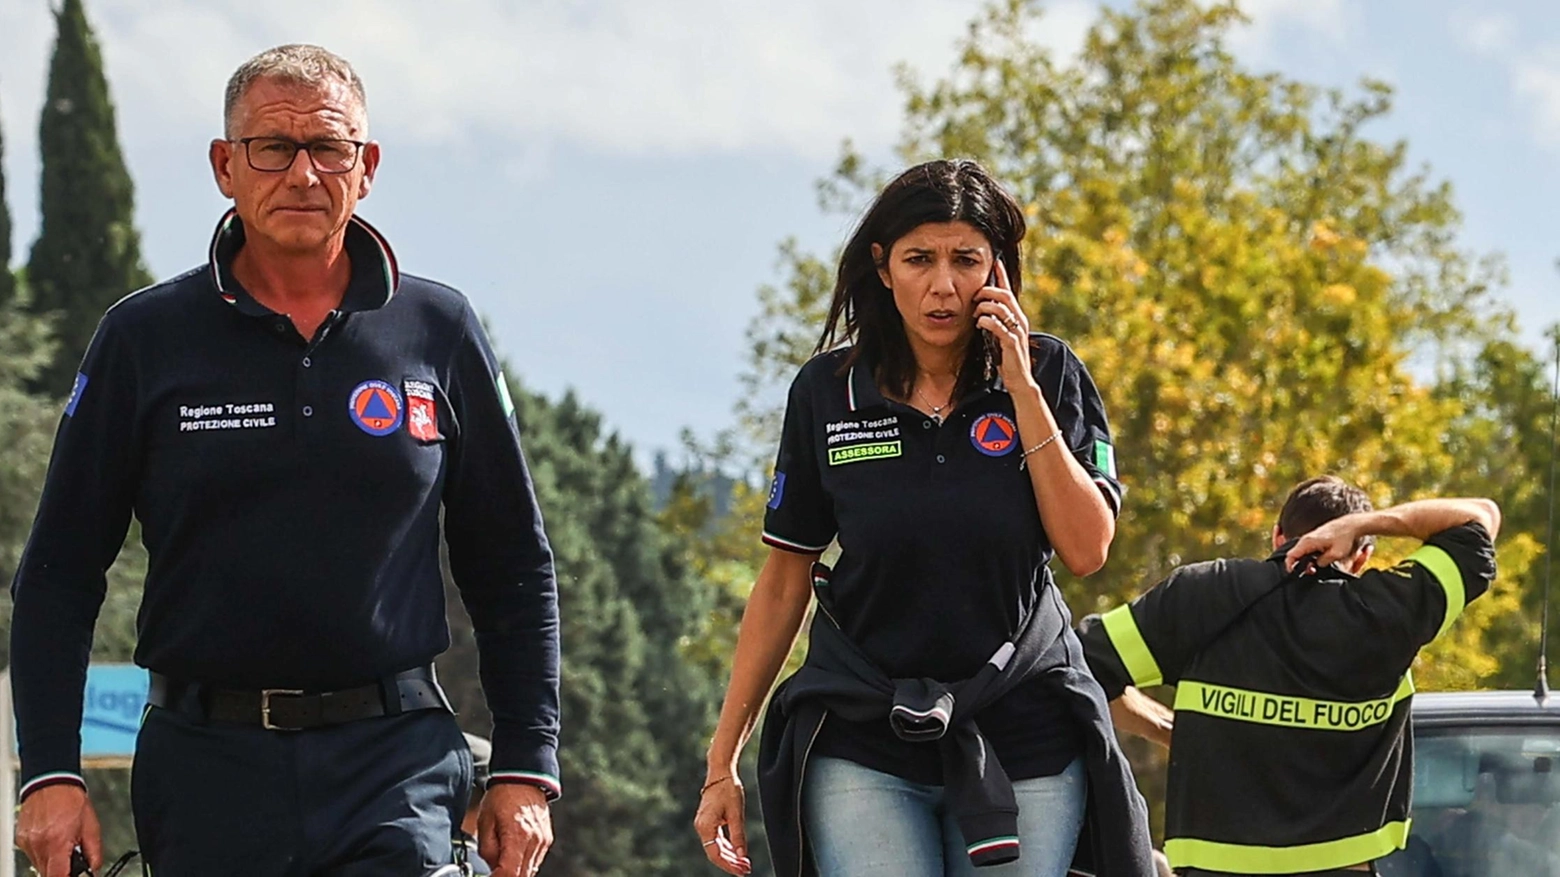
{"x": 942, "y": 552}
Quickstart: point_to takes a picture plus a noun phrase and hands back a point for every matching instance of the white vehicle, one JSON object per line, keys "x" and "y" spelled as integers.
{"x": 1486, "y": 787}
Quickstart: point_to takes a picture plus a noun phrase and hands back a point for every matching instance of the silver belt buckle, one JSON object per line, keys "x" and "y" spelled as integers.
{"x": 265, "y": 707}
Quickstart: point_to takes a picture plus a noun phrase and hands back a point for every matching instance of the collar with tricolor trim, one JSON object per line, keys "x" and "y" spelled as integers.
{"x": 375, "y": 274}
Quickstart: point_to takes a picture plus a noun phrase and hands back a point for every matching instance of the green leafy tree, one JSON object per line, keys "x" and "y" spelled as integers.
{"x": 1503, "y": 444}
{"x": 638, "y": 698}
{"x": 1258, "y": 287}
{"x": 25, "y": 348}
{"x": 28, "y": 347}
{"x": 1261, "y": 289}
{"x": 88, "y": 254}
{"x": 724, "y": 552}
{"x": 26, "y": 432}
{"x": 27, "y": 425}
{"x": 7, "y": 279}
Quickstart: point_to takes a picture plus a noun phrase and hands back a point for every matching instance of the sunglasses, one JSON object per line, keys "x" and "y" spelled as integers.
{"x": 79, "y": 867}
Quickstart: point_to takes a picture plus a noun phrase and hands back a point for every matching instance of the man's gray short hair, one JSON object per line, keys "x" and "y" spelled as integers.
{"x": 296, "y": 63}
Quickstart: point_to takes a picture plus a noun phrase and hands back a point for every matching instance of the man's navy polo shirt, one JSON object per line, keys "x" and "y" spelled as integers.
{"x": 289, "y": 493}
{"x": 942, "y": 551}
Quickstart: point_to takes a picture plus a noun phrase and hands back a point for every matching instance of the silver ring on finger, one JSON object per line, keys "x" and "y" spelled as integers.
{"x": 711, "y": 841}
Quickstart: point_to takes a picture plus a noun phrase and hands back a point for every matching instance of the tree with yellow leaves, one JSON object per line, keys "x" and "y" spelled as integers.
{"x": 1262, "y": 292}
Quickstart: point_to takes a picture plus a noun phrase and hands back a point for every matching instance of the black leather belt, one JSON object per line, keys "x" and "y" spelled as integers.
{"x": 286, "y": 709}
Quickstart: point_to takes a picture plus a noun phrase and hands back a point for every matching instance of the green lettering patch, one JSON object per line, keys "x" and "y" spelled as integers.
{"x": 857, "y": 453}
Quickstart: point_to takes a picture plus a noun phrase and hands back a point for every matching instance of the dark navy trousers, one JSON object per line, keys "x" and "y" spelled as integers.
{"x": 376, "y": 797}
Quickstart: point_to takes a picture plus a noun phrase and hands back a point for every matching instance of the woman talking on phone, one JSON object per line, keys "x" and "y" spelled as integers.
{"x": 945, "y": 718}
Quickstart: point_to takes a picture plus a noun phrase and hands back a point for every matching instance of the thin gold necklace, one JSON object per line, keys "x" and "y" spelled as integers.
{"x": 937, "y": 410}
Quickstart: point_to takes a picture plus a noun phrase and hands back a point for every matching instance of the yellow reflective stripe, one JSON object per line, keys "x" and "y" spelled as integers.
{"x": 1446, "y": 572}
{"x": 1186, "y": 852}
{"x": 1128, "y": 640}
{"x": 1285, "y": 710}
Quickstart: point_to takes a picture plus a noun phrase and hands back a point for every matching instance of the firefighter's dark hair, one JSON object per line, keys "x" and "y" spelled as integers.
{"x": 1316, "y": 501}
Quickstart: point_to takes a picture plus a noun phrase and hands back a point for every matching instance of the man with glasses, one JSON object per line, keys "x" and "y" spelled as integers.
{"x": 288, "y": 423}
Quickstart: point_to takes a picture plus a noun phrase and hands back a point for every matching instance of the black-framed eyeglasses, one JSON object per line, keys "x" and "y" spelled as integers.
{"x": 329, "y": 155}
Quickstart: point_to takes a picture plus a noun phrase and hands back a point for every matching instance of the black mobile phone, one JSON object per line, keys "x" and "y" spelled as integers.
{"x": 993, "y": 347}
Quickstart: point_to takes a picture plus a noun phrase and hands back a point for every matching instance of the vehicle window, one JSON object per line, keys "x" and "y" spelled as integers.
{"x": 1486, "y": 802}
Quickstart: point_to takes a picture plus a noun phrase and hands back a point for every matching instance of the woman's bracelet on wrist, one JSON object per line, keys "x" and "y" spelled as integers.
{"x": 713, "y": 783}
{"x": 1024, "y": 457}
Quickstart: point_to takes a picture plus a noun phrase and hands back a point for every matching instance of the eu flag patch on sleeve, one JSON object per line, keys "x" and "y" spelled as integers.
{"x": 75, "y": 394}
{"x": 777, "y": 490}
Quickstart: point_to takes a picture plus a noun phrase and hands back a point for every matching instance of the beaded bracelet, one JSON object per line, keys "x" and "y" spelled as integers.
{"x": 1024, "y": 457}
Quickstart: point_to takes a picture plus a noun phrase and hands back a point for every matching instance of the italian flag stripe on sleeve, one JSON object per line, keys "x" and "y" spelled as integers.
{"x": 503, "y": 396}
{"x": 1105, "y": 457}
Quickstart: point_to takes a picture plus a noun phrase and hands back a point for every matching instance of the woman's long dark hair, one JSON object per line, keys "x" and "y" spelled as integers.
{"x": 862, "y": 311}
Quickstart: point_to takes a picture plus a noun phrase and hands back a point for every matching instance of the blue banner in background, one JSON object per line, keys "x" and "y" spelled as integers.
{"x": 111, "y": 713}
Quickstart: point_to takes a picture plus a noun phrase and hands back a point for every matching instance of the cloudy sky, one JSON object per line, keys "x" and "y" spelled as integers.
{"x": 608, "y": 179}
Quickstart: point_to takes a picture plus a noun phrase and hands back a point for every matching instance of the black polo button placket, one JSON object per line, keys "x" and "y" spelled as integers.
{"x": 946, "y": 432}
{"x": 307, "y": 381}
{"x": 930, "y": 448}
{"x": 307, "y": 392}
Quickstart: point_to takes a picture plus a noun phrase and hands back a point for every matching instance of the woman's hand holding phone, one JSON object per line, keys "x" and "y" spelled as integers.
{"x": 1002, "y": 321}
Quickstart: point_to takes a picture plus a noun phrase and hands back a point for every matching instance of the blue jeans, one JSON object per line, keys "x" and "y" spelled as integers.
{"x": 864, "y": 823}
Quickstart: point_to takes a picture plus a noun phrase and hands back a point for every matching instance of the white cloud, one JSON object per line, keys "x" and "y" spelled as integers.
{"x": 1332, "y": 19}
{"x": 1485, "y": 34}
{"x": 1536, "y": 79}
{"x": 1063, "y": 26}
{"x": 26, "y": 31}
{"x": 1534, "y": 74}
{"x": 675, "y": 76}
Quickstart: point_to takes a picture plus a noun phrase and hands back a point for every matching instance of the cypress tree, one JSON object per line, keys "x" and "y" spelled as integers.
{"x": 88, "y": 254}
